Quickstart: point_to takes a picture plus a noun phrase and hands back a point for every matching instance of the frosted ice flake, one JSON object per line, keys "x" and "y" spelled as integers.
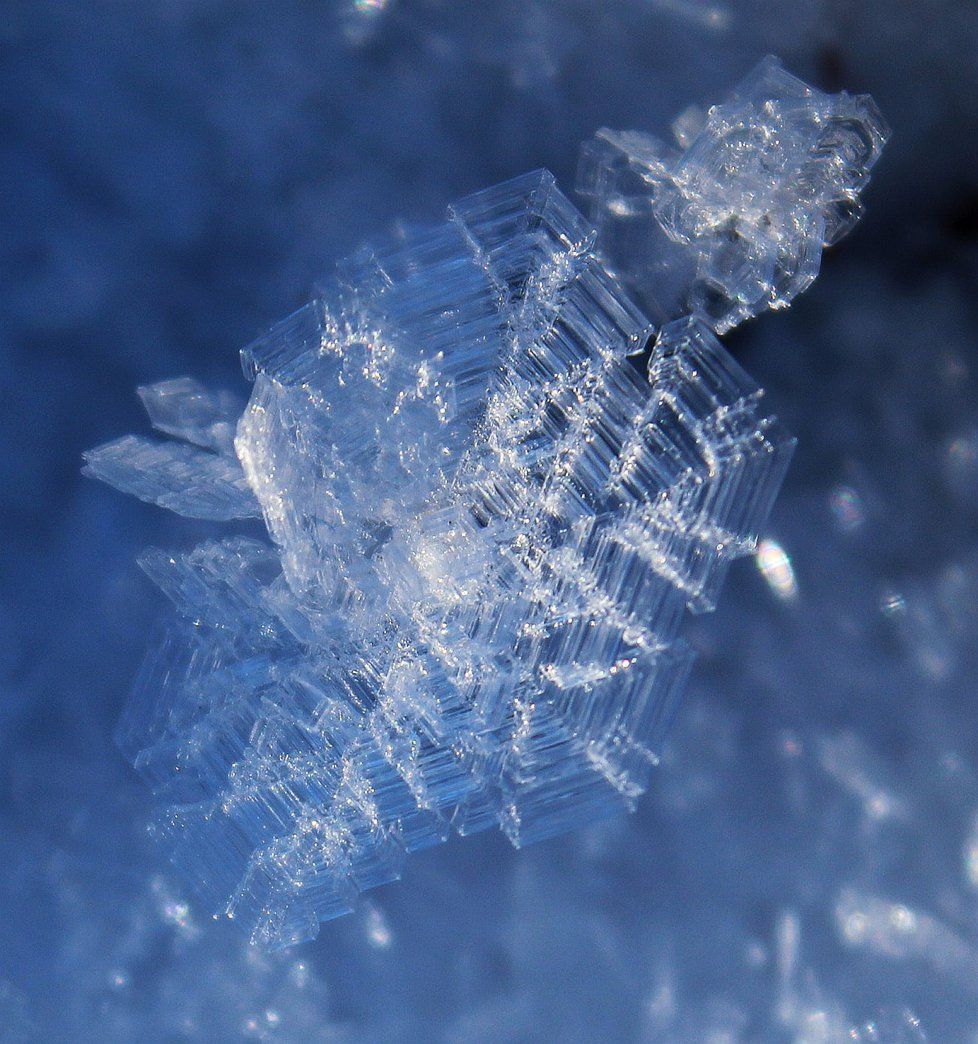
{"x": 489, "y": 503}
{"x": 733, "y": 221}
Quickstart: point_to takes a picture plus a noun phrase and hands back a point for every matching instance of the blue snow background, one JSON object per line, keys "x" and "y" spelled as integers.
{"x": 174, "y": 176}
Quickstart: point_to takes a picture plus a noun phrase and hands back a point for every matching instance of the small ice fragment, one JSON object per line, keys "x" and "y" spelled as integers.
{"x": 734, "y": 222}
{"x": 776, "y": 568}
{"x": 185, "y": 409}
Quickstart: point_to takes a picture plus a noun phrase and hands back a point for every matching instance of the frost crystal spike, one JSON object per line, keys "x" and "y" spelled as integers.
{"x": 733, "y": 221}
{"x": 488, "y": 503}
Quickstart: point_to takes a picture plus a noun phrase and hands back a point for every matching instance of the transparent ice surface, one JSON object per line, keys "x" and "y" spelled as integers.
{"x": 186, "y": 410}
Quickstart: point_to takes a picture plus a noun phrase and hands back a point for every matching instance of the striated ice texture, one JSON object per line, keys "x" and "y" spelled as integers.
{"x": 733, "y": 220}
{"x": 488, "y": 504}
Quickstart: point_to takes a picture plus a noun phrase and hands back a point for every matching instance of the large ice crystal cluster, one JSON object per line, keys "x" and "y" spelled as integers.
{"x": 491, "y": 486}
{"x": 487, "y": 516}
{"x": 734, "y": 220}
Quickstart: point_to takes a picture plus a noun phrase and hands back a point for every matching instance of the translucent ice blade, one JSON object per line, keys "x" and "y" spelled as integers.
{"x": 185, "y": 479}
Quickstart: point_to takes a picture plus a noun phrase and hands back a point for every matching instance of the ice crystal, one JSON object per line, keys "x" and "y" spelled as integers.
{"x": 491, "y": 486}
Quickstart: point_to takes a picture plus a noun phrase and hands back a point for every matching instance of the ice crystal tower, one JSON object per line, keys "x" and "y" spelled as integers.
{"x": 491, "y": 486}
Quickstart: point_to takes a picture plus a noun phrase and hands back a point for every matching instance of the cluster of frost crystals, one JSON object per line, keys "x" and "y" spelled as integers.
{"x": 488, "y": 506}
{"x": 733, "y": 221}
